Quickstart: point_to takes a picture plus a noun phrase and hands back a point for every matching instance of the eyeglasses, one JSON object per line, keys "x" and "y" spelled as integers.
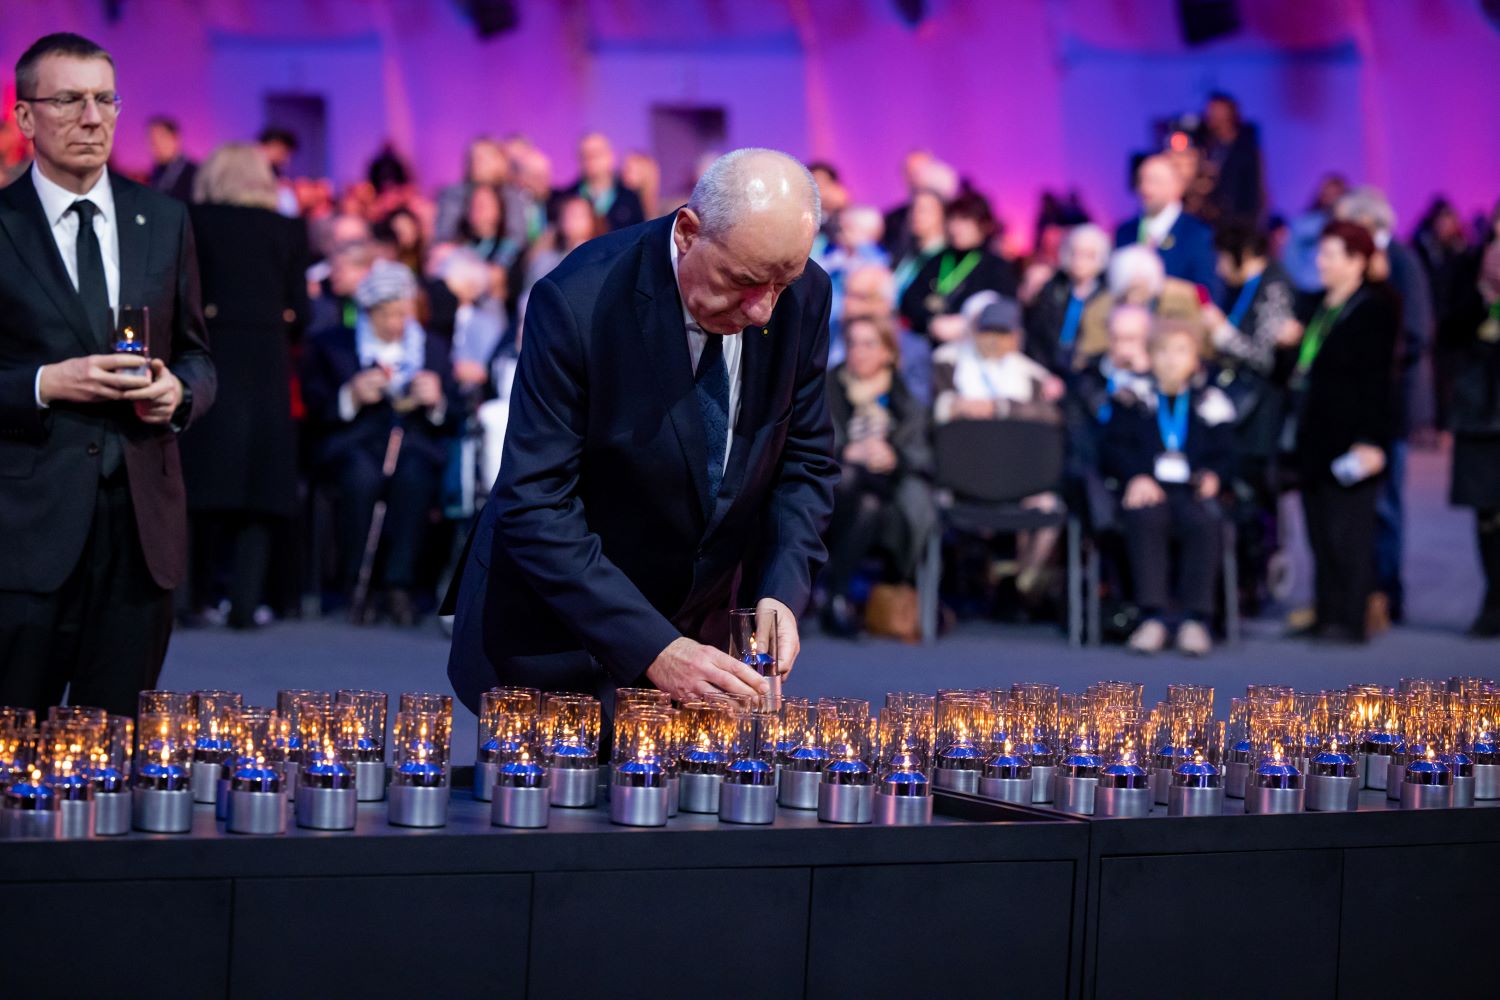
{"x": 70, "y": 106}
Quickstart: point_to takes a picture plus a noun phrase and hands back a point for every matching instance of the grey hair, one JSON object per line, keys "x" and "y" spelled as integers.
{"x": 1084, "y": 233}
{"x": 1368, "y": 205}
{"x": 720, "y": 198}
{"x": 1133, "y": 262}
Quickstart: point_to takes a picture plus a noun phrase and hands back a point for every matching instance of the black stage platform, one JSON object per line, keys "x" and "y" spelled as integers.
{"x": 990, "y": 900}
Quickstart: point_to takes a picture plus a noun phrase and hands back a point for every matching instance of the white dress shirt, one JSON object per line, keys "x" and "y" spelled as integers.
{"x": 697, "y": 338}
{"x": 1159, "y": 226}
{"x": 57, "y": 204}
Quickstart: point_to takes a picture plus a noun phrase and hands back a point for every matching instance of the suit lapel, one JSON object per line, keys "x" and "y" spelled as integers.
{"x": 134, "y": 231}
{"x": 659, "y": 314}
{"x": 21, "y": 216}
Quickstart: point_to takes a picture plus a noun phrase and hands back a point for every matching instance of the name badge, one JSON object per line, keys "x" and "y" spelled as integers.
{"x": 1172, "y": 467}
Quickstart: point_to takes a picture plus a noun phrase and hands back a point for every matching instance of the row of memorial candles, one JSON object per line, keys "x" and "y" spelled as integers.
{"x": 1099, "y": 752}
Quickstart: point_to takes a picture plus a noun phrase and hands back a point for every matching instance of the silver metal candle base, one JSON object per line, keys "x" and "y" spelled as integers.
{"x": 412, "y": 805}
{"x": 1041, "y": 783}
{"x": 1016, "y": 790}
{"x": 290, "y": 771}
{"x": 369, "y": 780}
{"x": 221, "y": 798}
{"x": 747, "y": 804}
{"x": 1236, "y": 777}
{"x": 638, "y": 806}
{"x": 261, "y": 813}
{"x": 902, "y": 810}
{"x": 326, "y": 808}
{"x": 1463, "y": 791}
{"x": 1161, "y": 787}
{"x": 845, "y": 803}
{"x": 1114, "y": 802}
{"x": 1184, "y": 800}
{"x": 799, "y": 789}
{"x": 1074, "y": 795}
{"x": 1395, "y": 776}
{"x": 1414, "y": 796}
{"x": 484, "y": 780}
{"x": 700, "y": 792}
{"x": 1376, "y": 768}
{"x": 521, "y": 808}
{"x": 78, "y": 818}
{"x": 112, "y": 813}
{"x": 1332, "y": 793}
{"x": 956, "y": 779}
{"x": 31, "y": 824}
{"x": 674, "y": 795}
{"x": 1486, "y": 781}
{"x": 1268, "y": 801}
{"x": 159, "y": 811}
{"x": 205, "y": 781}
{"x": 575, "y": 787}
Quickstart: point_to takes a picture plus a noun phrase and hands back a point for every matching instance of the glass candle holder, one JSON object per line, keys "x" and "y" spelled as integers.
{"x": 801, "y": 753}
{"x": 1332, "y": 778}
{"x": 30, "y": 808}
{"x": 257, "y": 797}
{"x": 214, "y": 711}
{"x": 1277, "y": 784}
{"x": 287, "y": 751}
{"x": 367, "y": 740}
{"x": 752, "y": 641}
{"x": 904, "y": 783}
{"x": 703, "y": 753}
{"x": 419, "y": 789}
{"x": 963, "y": 732}
{"x": 638, "y": 769}
{"x": 521, "y": 788}
{"x": 631, "y": 697}
{"x": 1007, "y": 775}
{"x": 508, "y": 718}
{"x": 1125, "y": 784}
{"x": 68, "y": 748}
{"x": 162, "y": 782}
{"x": 846, "y": 791}
{"x": 17, "y": 736}
{"x": 158, "y": 701}
{"x": 748, "y": 793}
{"x": 327, "y": 786}
{"x": 570, "y": 748}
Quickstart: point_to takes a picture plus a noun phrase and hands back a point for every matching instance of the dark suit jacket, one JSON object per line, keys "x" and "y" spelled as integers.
{"x": 1188, "y": 251}
{"x": 175, "y": 178}
{"x": 329, "y": 360}
{"x": 49, "y": 459}
{"x": 599, "y": 545}
{"x": 1349, "y": 397}
{"x": 1132, "y": 440}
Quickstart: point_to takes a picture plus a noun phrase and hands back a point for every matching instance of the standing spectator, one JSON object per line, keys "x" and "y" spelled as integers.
{"x": 882, "y": 501}
{"x": 1306, "y": 231}
{"x": 1232, "y": 160}
{"x": 484, "y": 229}
{"x": 642, "y": 174}
{"x": 279, "y": 145}
{"x": 967, "y": 266}
{"x": 1173, "y": 451}
{"x": 485, "y": 163}
{"x": 172, "y": 172}
{"x": 240, "y": 460}
{"x": 1056, "y": 315}
{"x": 900, "y": 240}
{"x": 615, "y": 204}
{"x": 924, "y": 219}
{"x": 1185, "y": 242}
{"x": 1441, "y": 245}
{"x": 1343, "y": 424}
{"x": 91, "y": 497}
{"x": 576, "y": 225}
{"x": 1396, "y": 265}
{"x": 359, "y": 386}
{"x": 400, "y": 233}
{"x": 1476, "y": 426}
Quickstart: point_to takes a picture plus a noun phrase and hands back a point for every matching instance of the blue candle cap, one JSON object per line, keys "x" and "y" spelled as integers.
{"x": 808, "y": 753}
{"x": 750, "y": 765}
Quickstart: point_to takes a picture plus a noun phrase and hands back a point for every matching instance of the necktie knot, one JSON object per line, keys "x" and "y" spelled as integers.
{"x": 85, "y": 209}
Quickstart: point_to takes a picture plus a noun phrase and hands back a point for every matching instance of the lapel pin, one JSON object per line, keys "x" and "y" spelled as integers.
{"x": 765, "y": 331}
{"x": 140, "y": 220}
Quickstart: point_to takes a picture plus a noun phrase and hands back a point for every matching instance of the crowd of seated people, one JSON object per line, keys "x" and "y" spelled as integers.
{"x": 1206, "y": 363}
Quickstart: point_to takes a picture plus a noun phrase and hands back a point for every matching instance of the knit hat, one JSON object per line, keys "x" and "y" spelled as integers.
{"x": 387, "y": 281}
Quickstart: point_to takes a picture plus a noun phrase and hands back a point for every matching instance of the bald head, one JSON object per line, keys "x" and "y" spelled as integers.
{"x": 744, "y": 237}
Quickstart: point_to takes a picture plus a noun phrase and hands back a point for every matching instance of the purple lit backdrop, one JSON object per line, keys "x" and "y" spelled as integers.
{"x": 1018, "y": 95}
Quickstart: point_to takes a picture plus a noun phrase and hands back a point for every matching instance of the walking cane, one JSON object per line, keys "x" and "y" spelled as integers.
{"x": 377, "y": 524}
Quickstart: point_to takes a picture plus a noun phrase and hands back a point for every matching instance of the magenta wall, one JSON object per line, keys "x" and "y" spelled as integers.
{"x": 1019, "y": 95}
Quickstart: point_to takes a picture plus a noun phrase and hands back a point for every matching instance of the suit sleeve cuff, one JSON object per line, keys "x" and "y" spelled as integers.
{"x": 36, "y": 389}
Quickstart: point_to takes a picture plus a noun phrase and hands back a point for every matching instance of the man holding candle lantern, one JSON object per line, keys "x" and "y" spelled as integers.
{"x": 91, "y": 496}
{"x": 670, "y": 450}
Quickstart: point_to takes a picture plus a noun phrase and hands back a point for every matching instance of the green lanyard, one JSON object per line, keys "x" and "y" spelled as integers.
{"x": 1317, "y": 332}
{"x": 950, "y": 277}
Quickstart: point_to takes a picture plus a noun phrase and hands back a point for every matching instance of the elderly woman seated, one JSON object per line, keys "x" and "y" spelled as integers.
{"x": 883, "y": 502}
{"x": 1054, "y": 321}
{"x": 1136, "y": 276}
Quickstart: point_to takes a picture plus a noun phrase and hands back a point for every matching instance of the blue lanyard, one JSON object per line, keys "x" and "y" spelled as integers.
{"x": 1174, "y": 429}
{"x": 1070, "y": 321}
{"x": 1242, "y": 304}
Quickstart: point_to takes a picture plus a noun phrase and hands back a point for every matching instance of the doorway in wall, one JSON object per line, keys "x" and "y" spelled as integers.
{"x": 681, "y": 136}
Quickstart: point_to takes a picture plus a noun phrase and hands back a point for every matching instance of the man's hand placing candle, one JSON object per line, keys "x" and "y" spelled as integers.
{"x": 788, "y": 641}
{"x": 688, "y": 669}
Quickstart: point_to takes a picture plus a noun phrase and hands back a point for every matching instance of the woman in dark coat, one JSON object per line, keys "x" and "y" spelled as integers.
{"x": 883, "y": 501}
{"x": 240, "y": 461}
{"x": 965, "y": 267}
{"x": 1342, "y": 396}
{"x": 1474, "y": 331}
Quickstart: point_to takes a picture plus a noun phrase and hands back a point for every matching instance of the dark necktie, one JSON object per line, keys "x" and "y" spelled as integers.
{"x": 711, "y": 384}
{"x": 94, "y": 291}
{"x": 92, "y": 288}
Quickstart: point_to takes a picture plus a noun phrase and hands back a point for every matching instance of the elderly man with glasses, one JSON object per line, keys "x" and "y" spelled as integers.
{"x": 91, "y": 495}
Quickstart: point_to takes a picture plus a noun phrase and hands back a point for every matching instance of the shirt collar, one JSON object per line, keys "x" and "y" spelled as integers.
{"x": 57, "y": 200}
{"x": 1162, "y": 222}
{"x": 687, "y": 317}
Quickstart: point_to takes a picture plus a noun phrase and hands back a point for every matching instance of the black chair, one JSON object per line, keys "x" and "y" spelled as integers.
{"x": 983, "y": 469}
